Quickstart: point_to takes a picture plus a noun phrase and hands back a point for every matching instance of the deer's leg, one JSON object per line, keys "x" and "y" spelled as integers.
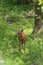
{"x": 19, "y": 45}
{"x": 24, "y": 46}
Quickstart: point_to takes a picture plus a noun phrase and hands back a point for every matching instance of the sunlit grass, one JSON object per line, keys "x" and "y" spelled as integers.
{"x": 9, "y": 43}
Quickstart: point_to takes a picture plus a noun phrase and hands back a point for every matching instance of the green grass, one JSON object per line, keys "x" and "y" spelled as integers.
{"x": 9, "y": 43}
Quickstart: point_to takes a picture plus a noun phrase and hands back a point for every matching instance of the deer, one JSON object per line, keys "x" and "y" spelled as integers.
{"x": 21, "y": 39}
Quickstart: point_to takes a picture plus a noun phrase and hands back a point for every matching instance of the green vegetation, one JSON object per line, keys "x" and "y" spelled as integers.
{"x": 13, "y": 18}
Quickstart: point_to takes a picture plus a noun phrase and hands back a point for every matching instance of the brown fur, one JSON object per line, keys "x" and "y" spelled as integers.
{"x": 21, "y": 39}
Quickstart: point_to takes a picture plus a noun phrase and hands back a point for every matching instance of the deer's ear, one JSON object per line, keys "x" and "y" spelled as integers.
{"x": 21, "y": 30}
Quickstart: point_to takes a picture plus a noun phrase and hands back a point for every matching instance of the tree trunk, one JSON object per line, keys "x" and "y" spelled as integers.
{"x": 38, "y": 24}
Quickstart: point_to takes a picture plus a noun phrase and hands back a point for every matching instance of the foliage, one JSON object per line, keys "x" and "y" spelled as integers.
{"x": 18, "y": 14}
